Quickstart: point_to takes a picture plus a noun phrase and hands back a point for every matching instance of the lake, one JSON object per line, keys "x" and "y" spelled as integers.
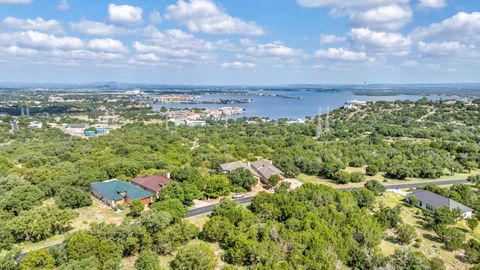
{"x": 278, "y": 107}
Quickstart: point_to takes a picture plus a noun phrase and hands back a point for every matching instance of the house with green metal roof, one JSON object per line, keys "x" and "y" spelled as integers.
{"x": 116, "y": 192}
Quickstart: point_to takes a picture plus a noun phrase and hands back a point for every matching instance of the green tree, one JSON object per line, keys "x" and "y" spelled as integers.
{"x": 273, "y": 180}
{"x": 72, "y": 198}
{"x": 216, "y": 186}
{"x": 38, "y": 259}
{"x": 472, "y": 251}
{"x": 217, "y": 228}
{"x": 242, "y": 177}
{"x": 409, "y": 260}
{"x": 364, "y": 197}
{"x": 406, "y": 233}
{"x": 147, "y": 260}
{"x": 8, "y": 260}
{"x": 372, "y": 170}
{"x": 196, "y": 256}
{"x": 21, "y": 198}
{"x": 136, "y": 208}
{"x": 174, "y": 207}
{"x": 376, "y": 187}
{"x": 82, "y": 245}
{"x": 472, "y": 223}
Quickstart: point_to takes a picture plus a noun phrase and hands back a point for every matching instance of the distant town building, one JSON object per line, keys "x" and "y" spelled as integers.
{"x": 355, "y": 104}
{"x": 53, "y": 99}
{"x": 430, "y": 201}
{"x": 78, "y": 128}
{"x": 134, "y": 92}
{"x": 35, "y": 124}
{"x": 116, "y": 192}
{"x": 195, "y": 123}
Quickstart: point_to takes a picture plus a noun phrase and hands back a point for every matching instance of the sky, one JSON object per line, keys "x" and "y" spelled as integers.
{"x": 233, "y": 42}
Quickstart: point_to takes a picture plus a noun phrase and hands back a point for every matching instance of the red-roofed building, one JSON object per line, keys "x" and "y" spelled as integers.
{"x": 152, "y": 183}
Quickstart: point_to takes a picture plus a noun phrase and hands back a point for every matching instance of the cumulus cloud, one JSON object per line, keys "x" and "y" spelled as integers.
{"x": 63, "y": 5}
{"x": 15, "y": 1}
{"x": 155, "y": 17}
{"x": 124, "y": 14}
{"x": 205, "y": 16}
{"x": 238, "y": 65}
{"x": 443, "y": 48}
{"x": 341, "y": 54}
{"x": 434, "y": 4}
{"x": 382, "y": 43}
{"x": 35, "y": 39}
{"x": 462, "y": 26}
{"x": 347, "y": 3}
{"x": 325, "y": 39}
{"x": 99, "y": 28}
{"x": 107, "y": 45}
{"x": 276, "y": 49}
{"x": 390, "y": 17}
{"x": 39, "y": 24}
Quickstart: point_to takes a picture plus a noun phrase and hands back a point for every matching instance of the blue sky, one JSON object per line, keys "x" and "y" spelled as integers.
{"x": 253, "y": 42}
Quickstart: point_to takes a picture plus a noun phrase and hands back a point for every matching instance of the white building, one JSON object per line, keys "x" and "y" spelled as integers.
{"x": 354, "y": 104}
{"x": 35, "y": 124}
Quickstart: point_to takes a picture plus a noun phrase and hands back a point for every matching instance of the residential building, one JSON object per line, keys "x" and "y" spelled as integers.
{"x": 151, "y": 183}
{"x": 231, "y": 166}
{"x": 354, "y": 104}
{"x": 35, "y": 124}
{"x": 266, "y": 169}
{"x": 116, "y": 192}
{"x": 430, "y": 201}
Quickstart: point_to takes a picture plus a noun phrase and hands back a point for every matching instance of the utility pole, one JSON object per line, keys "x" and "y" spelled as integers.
{"x": 319, "y": 124}
{"x": 23, "y": 112}
{"x": 327, "y": 124}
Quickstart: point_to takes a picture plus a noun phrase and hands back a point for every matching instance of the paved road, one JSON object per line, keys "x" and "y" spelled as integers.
{"x": 208, "y": 209}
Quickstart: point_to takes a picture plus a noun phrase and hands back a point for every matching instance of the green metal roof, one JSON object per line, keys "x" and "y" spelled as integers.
{"x": 112, "y": 189}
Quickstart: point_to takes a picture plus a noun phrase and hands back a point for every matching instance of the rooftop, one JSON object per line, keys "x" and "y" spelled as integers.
{"x": 153, "y": 182}
{"x": 112, "y": 189}
{"x": 437, "y": 201}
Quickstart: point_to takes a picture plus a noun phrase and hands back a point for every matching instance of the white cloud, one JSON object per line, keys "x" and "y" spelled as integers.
{"x": 124, "y": 14}
{"x": 34, "y": 39}
{"x": 443, "y": 48}
{"x": 410, "y": 63}
{"x": 39, "y": 24}
{"x": 15, "y": 1}
{"x": 238, "y": 65}
{"x": 341, "y": 54}
{"x": 205, "y": 16}
{"x": 390, "y": 17}
{"x": 382, "y": 43}
{"x": 99, "y": 28}
{"x": 107, "y": 45}
{"x": 63, "y": 5}
{"x": 276, "y": 49}
{"x": 348, "y": 3}
{"x": 148, "y": 57}
{"x": 434, "y": 4}
{"x": 462, "y": 27}
{"x": 325, "y": 39}
{"x": 155, "y": 17}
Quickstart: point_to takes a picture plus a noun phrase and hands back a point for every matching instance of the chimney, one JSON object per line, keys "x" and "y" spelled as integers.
{"x": 168, "y": 175}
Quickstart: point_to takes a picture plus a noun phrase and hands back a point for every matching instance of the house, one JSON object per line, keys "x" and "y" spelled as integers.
{"x": 231, "y": 166}
{"x": 196, "y": 123}
{"x": 266, "y": 170}
{"x": 35, "y": 124}
{"x": 153, "y": 183}
{"x": 116, "y": 192}
{"x": 79, "y": 128}
{"x": 429, "y": 200}
{"x": 354, "y": 104}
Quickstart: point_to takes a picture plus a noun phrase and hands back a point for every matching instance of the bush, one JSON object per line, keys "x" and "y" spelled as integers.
{"x": 406, "y": 233}
{"x": 376, "y": 187}
{"x": 372, "y": 170}
{"x": 147, "y": 260}
{"x": 196, "y": 256}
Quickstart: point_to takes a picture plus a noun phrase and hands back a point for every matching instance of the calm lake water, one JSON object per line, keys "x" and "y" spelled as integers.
{"x": 278, "y": 107}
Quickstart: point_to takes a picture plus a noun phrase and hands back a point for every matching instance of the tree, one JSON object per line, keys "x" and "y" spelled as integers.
{"x": 452, "y": 237}
{"x": 172, "y": 191}
{"x": 72, "y": 198}
{"x": 136, "y": 208}
{"x": 196, "y": 256}
{"x": 364, "y": 197}
{"x": 90, "y": 263}
{"x": 216, "y": 186}
{"x": 472, "y": 251}
{"x": 40, "y": 223}
{"x": 274, "y": 180}
{"x": 217, "y": 228}
{"x": 472, "y": 223}
{"x": 82, "y": 245}
{"x": 242, "y": 177}
{"x": 191, "y": 192}
{"x": 444, "y": 215}
{"x": 372, "y": 170}
{"x": 38, "y": 259}
{"x": 406, "y": 233}
{"x": 389, "y": 217}
{"x": 376, "y": 187}
{"x": 409, "y": 260}
{"x": 8, "y": 260}
{"x": 172, "y": 206}
{"x": 147, "y": 260}
{"x": 21, "y": 198}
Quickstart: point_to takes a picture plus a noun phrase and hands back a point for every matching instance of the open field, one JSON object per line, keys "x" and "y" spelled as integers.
{"x": 428, "y": 243}
{"x": 381, "y": 178}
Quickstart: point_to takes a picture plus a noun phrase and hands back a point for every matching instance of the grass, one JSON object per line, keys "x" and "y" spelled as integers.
{"x": 381, "y": 178}
{"x": 428, "y": 244}
{"x": 199, "y": 220}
